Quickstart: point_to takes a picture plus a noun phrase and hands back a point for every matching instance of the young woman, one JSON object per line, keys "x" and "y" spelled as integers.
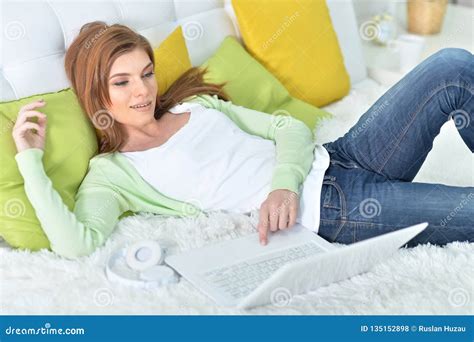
{"x": 191, "y": 150}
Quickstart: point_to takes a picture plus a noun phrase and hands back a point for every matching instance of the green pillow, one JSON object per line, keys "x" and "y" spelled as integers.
{"x": 251, "y": 85}
{"x": 70, "y": 143}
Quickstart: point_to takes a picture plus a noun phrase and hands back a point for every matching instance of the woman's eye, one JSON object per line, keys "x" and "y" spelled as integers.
{"x": 119, "y": 84}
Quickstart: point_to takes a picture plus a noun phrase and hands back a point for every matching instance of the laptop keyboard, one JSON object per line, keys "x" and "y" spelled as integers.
{"x": 239, "y": 279}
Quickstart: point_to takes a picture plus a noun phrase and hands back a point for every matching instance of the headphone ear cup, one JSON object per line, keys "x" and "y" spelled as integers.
{"x": 144, "y": 254}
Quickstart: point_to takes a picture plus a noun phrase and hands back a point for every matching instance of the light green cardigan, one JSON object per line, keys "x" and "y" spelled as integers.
{"x": 113, "y": 187}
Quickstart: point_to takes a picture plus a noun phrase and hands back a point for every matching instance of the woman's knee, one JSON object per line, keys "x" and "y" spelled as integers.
{"x": 454, "y": 54}
{"x": 449, "y": 58}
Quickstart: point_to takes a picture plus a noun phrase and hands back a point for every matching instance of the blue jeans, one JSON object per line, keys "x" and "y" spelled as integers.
{"x": 368, "y": 188}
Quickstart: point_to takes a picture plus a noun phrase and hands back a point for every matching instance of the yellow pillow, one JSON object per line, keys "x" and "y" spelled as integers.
{"x": 171, "y": 60}
{"x": 295, "y": 41}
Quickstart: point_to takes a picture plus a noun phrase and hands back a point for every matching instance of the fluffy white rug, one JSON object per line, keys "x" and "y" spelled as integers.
{"x": 422, "y": 280}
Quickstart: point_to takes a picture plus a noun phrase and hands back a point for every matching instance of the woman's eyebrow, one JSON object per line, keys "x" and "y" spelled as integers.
{"x": 126, "y": 74}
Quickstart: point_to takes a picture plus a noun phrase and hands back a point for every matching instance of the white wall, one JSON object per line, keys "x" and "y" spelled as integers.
{"x": 469, "y": 3}
{"x": 365, "y": 9}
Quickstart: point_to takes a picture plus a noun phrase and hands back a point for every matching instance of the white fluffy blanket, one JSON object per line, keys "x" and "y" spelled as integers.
{"x": 422, "y": 280}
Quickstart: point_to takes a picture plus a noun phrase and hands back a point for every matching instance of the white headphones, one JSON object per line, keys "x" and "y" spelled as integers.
{"x": 144, "y": 254}
{"x": 147, "y": 258}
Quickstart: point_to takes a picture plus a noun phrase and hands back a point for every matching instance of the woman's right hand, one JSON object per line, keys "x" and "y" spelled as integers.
{"x": 23, "y": 133}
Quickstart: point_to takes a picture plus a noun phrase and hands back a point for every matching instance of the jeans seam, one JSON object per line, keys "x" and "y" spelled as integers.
{"x": 363, "y": 222}
{"x": 330, "y": 206}
{"x": 356, "y": 222}
{"x": 438, "y": 89}
{"x": 389, "y": 225}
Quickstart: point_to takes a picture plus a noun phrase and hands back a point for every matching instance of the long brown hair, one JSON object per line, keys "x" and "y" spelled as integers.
{"x": 88, "y": 62}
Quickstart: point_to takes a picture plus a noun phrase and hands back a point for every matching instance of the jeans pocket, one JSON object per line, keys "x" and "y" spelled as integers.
{"x": 332, "y": 195}
{"x": 333, "y": 209}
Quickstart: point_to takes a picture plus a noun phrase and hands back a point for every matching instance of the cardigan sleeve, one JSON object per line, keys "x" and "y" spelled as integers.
{"x": 71, "y": 234}
{"x": 294, "y": 141}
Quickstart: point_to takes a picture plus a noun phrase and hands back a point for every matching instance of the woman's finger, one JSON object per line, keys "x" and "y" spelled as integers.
{"x": 274, "y": 214}
{"x": 42, "y": 130}
{"x": 293, "y": 213}
{"x": 24, "y": 116}
{"x": 263, "y": 225}
{"x": 32, "y": 105}
{"x": 283, "y": 217}
{"x": 26, "y": 126}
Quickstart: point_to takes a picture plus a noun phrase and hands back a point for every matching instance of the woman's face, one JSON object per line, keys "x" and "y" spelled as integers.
{"x": 132, "y": 83}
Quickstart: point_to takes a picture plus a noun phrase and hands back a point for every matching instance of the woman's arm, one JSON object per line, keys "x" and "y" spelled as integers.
{"x": 293, "y": 139}
{"x": 97, "y": 206}
{"x": 294, "y": 156}
{"x": 95, "y": 214}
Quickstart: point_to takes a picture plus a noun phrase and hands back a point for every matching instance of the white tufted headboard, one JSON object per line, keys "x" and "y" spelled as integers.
{"x": 36, "y": 34}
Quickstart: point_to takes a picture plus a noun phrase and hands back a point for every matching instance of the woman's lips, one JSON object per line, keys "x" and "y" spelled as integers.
{"x": 143, "y": 109}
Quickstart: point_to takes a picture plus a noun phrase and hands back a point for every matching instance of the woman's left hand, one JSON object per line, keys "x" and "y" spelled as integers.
{"x": 278, "y": 211}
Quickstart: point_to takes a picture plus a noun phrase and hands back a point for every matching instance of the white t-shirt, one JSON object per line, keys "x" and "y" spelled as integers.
{"x": 211, "y": 163}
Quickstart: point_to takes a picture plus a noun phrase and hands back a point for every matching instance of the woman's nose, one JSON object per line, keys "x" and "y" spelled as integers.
{"x": 141, "y": 88}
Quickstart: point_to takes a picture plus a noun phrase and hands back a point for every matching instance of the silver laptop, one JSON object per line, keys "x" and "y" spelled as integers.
{"x": 244, "y": 274}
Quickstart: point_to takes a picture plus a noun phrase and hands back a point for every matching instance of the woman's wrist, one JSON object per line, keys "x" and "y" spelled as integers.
{"x": 33, "y": 152}
{"x": 28, "y": 161}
